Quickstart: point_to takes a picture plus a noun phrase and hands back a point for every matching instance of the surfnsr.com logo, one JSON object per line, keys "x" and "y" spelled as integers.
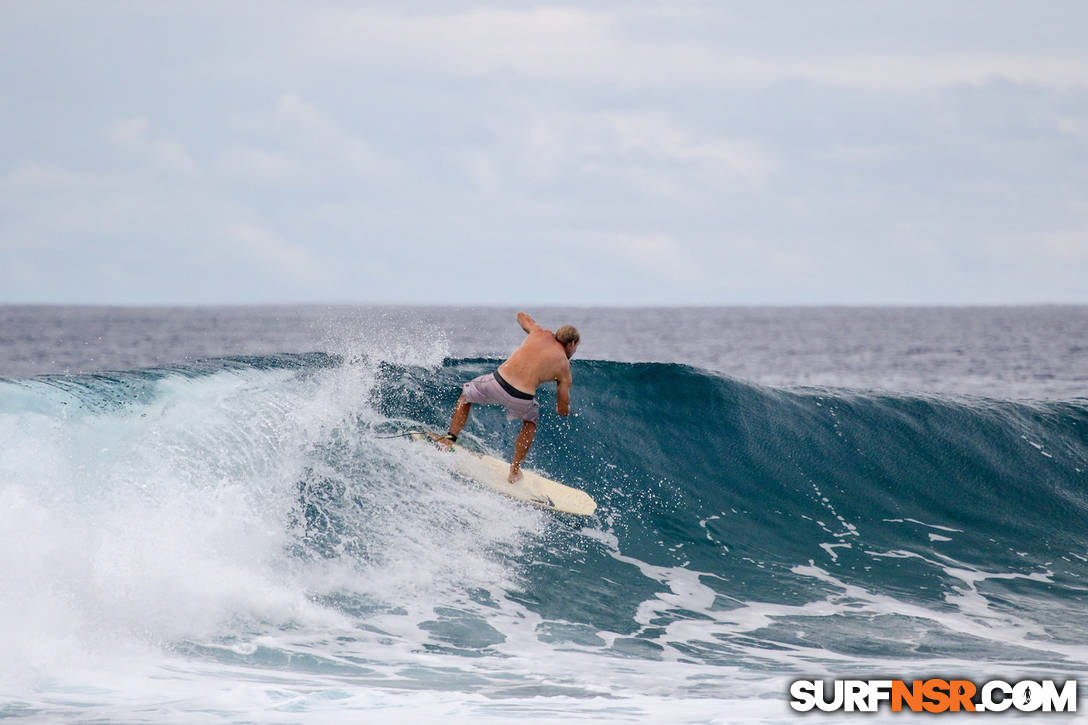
{"x": 933, "y": 695}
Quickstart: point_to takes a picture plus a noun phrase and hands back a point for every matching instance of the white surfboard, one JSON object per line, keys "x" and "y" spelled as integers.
{"x": 532, "y": 488}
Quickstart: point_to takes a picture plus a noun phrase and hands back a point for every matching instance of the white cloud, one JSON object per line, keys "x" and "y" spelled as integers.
{"x": 370, "y": 134}
{"x": 49, "y": 178}
{"x": 657, "y": 135}
{"x": 322, "y": 134}
{"x": 1063, "y": 124}
{"x": 548, "y": 40}
{"x": 261, "y": 166}
{"x": 132, "y": 135}
{"x": 586, "y": 46}
{"x": 481, "y": 170}
{"x": 790, "y": 262}
{"x": 646, "y": 150}
{"x": 47, "y": 205}
{"x": 292, "y": 261}
{"x": 657, "y": 254}
{"x": 879, "y": 72}
{"x": 1070, "y": 245}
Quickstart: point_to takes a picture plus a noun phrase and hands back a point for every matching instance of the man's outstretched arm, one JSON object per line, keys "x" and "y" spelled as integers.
{"x": 527, "y": 323}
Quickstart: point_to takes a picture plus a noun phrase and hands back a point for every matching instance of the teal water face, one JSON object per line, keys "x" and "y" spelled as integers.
{"x": 245, "y": 527}
{"x": 778, "y": 498}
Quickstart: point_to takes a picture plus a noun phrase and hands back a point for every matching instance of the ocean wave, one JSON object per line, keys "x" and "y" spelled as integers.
{"x": 258, "y": 511}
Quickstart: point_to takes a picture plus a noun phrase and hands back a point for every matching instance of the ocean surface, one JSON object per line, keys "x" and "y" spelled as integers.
{"x": 206, "y": 515}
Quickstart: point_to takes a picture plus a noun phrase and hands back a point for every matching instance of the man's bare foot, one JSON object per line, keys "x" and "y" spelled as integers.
{"x": 441, "y": 440}
{"x": 514, "y": 476}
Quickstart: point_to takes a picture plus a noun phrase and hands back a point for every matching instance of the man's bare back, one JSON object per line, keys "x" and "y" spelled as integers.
{"x": 540, "y": 359}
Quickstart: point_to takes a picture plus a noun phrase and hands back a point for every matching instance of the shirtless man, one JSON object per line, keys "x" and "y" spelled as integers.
{"x": 542, "y": 358}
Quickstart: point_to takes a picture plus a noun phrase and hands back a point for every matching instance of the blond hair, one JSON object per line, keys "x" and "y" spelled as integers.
{"x": 567, "y": 334}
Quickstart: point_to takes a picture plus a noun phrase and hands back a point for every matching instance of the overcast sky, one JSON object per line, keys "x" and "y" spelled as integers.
{"x": 568, "y": 153}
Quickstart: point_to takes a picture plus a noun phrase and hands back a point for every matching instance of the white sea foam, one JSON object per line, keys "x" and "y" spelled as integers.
{"x": 147, "y": 526}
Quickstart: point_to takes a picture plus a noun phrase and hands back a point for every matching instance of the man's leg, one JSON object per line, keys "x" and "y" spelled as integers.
{"x": 460, "y": 417}
{"x": 521, "y": 447}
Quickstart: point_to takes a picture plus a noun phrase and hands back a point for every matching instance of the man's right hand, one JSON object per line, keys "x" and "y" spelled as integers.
{"x": 527, "y": 323}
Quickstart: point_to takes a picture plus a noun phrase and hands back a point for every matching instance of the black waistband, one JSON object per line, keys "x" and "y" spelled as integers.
{"x": 510, "y": 388}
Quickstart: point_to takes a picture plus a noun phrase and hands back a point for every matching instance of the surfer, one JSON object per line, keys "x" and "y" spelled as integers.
{"x": 542, "y": 358}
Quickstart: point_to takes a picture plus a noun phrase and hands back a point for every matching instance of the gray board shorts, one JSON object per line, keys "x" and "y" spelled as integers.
{"x": 488, "y": 390}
